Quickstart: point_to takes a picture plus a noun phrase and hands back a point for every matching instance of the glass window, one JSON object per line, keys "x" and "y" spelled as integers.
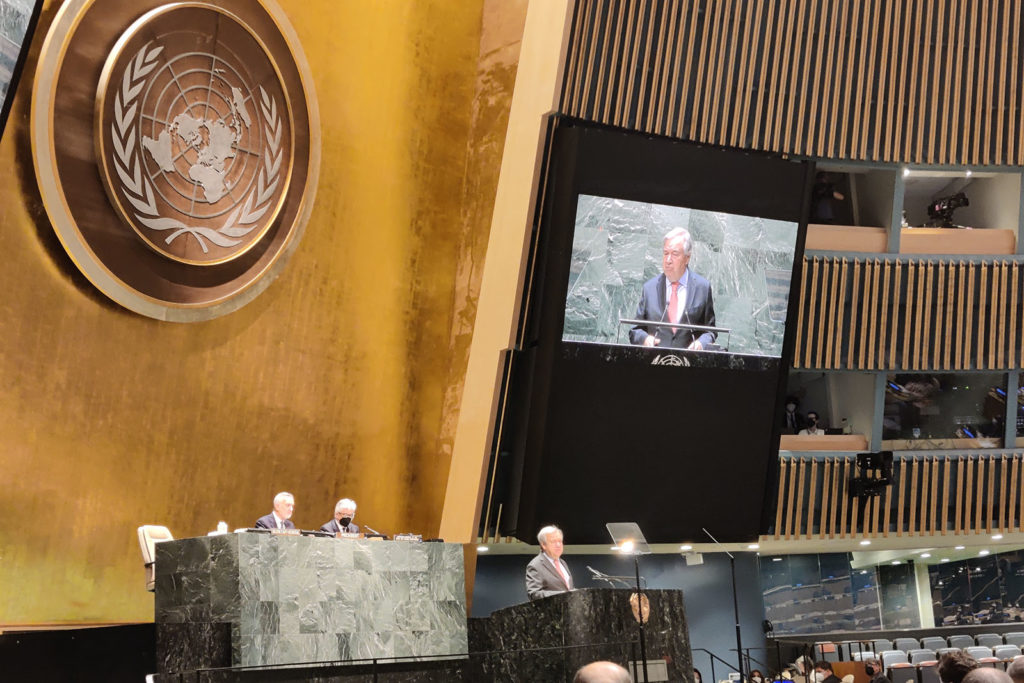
{"x": 944, "y": 411}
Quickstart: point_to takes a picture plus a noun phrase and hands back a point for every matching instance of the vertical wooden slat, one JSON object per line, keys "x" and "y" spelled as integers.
{"x": 924, "y": 501}
{"x": 701, "y": 77}
{"x": 782, "y": 67}
{"x": 915, "y": 500}
{"x": 1013, "y": 502}
{"x": 968, "y": 495}
{"x": 982, "y": 305}
{"x": 995, "y": 338}
{"x": 938, "y": 343}
{"x": 812, "y": 306}
{"x": 901, "y": 502}
{"x": 799, "y": 507}
{"x": 717, "y": 51}
{"x": 947, "y": 341}
{"x": 908, "y": 316}
{"x": 961, "y": 315}
{"x": 932, "y": 56}
{"x": 895, "y": 316}
{"x": 934, "y": 498}
{"x": 616, "y": 36}
{"x": 855, "y": 320}
{"x": 881, "y": 73}
{"x": 675, "y": 21}
{"x": 970, "y": 316}
{"x": 867, "y": 80}
{"x": 945, "y": 496}
{"x": 919, "y": 332}
{"x": 1014, "y": 284}
{"x": 823, "y": 304}
{"x": 979, "y": 479}
{"x": 961, "y": 494}
{"x": 864, "y": 313}
{"x": 684, "y": 47}
{"x": 843, "y": 498}
{"x": 842, "y": 148}
{"x": 572, "y": 79}
{"x": 804, "y": 302}
{"x": 984, "y": 140}
{"x": 781, "y": 501}
{"x": 832, "y": 39}
{"x": 927, "y": 312}
{"x": 835, "y": 306}
{"x": 874, "y": 312}
{"x": 875, "y": 504}
{"x": 990, "y": 495}
{"x": 762, "y": 113}
{"x": 835, "y": 500}
{"x": 1014, "y": 42}
{"x": 813, "y": 486}
{"x": 1003, "y": 502}
{"x": 749, "y": 35}
{"x": 826, "y": 497}
{"x": 965, "y": 123}
{"x": 657, "y": 58}
{"x": 883, "y": 315}
{"x": 887, "y": 506}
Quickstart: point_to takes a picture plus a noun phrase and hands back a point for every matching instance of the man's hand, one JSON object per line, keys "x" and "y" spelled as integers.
{"x": 651, "y": 340}
{"x": 695, "y": 345}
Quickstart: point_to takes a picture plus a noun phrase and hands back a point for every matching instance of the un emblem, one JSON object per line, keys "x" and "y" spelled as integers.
{"x": 205, "y": 140}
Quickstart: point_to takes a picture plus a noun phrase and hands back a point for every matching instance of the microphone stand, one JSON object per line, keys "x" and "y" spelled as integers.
{"x": 735, "y": 605}
{"x": 640, "y": 614}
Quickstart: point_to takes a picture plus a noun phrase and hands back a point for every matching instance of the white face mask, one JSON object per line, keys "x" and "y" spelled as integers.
{"x": 819, "y": 676}
{"x": 756, "y": 679}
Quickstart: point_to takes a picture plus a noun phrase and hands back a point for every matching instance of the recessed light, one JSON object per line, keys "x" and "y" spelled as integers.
{"x": 686, "y": 547}
{"x": 615, "y": 548}
{"x": 906, "y": 171}
{"x": 776, "y": 559}
{"x": 926, "y": 554}
{"x": 959, "y": 547}
{"x": 865, "y": 542}
{"x": 896, "y": 562}
{"x": 863, "y": 571}
{"x": 753, "y": 546}
{"x": 982, "y": 552}
{"x": 482, "y": 549}
{"x": 945, "y": 559}
{"x": 968, "y": 173}
{"x": 997, "y": 537}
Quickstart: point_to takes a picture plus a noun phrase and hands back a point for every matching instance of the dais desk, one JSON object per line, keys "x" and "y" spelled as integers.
{"x": 254, "y": 599}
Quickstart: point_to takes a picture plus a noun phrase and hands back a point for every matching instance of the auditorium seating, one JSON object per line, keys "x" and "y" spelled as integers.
{"x": 929, "y": 672}
{"x": 933, "y": 643}
{"x": 918, "y": 656}
{"x": 989, "y": 640}
{"x": 882, "y": 645}
{"x": 961, "y": 641}
{"x": 906, "y": 644}
{"x": 862, "y": 655}
{"x": 1006, "y": 652}
{"x": 1014, "y": 638}
{"x": 149, "y": 536}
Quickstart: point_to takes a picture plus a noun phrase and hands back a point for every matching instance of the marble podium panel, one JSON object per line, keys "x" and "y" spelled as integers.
{"x": 586, "y": 625}
{"x": 256, "y": 599}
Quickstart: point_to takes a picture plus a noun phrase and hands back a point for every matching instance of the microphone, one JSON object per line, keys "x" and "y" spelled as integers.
{"x": 374, "y": 531}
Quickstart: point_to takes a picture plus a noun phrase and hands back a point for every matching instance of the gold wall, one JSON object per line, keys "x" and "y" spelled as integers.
{"x": 342, "y": 379}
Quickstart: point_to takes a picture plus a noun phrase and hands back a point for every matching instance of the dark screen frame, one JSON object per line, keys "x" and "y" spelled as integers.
{"x": 585, "y": 158}
{"x": 19, "y": 67}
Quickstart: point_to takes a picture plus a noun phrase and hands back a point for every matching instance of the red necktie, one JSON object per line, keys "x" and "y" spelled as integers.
{"x": 673, "y": 304}
{"x": 565, "y": 577}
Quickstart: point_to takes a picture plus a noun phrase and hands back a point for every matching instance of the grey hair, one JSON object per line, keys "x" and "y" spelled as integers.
{"x": 281, "y": 496}
{"x": 685, "y": 234}
{"x": 344, "y": 503}
{"x": 542, "y": 535}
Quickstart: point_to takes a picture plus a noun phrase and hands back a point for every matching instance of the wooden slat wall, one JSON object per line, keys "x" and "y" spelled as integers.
{"x": 878, "y": 80}
{"x": 909, "y": 314}
{"x": 928, "y": 497}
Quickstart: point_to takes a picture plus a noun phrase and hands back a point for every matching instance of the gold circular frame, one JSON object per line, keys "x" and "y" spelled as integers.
{"x": 179, "y": 292}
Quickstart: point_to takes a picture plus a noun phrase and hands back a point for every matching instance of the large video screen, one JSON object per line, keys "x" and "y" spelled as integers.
{"x": 648, "y": 386}
{"x": 732, "y": 288}
{"x": 17, "y": 22}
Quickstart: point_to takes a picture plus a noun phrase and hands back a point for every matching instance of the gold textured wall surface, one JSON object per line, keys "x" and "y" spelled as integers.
{"x": 342, "y": 379}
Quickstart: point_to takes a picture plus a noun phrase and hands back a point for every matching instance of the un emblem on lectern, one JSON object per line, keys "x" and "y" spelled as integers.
{"x": 204, "y": 138}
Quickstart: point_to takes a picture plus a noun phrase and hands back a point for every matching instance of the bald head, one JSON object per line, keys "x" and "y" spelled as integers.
{"x": 1016, "y": 670}
{"x": 984, "y": 674}
{"x": 603, "y": 672}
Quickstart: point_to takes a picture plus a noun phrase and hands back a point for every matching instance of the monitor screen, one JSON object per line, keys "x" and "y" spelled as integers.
{"x": 17, "y": 22}
{"x": 735, "y": 288}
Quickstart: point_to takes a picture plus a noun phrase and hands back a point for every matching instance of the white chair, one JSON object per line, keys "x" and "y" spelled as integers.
{"x": 149, "y": 536}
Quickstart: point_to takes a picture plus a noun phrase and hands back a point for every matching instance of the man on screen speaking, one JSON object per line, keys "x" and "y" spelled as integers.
{"x": 678, "y": 295}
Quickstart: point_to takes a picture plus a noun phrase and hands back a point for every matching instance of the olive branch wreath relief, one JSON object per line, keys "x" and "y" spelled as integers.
{"x": 137, "y": 187}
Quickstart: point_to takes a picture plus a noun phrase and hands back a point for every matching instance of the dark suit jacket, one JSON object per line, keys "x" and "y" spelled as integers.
{"x": 267, "y": 522}
{"x": 700, "y": 310}
{"x": 543, "y": 580}
{"x": 333, "y": 527}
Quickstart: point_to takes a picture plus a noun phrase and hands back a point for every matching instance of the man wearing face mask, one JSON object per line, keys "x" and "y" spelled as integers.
{"x": 344, "y": 511}
{"x": 873, "y": 668}
{"x": 823, "y": 673}
{"x": 812, "y": 424}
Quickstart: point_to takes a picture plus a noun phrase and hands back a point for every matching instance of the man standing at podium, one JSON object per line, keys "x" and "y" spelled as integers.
{"x": 344, "y": 511}
{"x": 281, "y": 517}
{"x": 547, "y": 574}
{"x": 678, "y": 295}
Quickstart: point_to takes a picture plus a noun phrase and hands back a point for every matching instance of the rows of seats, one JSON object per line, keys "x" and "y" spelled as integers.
{"x": 914, "y": 651}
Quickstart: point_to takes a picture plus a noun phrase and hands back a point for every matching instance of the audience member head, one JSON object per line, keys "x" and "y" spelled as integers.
{"x": 756, "y": 676}
{"x": 550, "y": 538}
{"x": 284, "y": 505}
{"x": 953, "y": 666}
{"x": 985, "y": 674}
{"x": 697, "y": 678}
{"x": 822, "y": 670}
{"x": 675, "y": 254}
{"x": 344, "y": 511}
{"x": 1016, "y": 670}
{"x": 602, "y": 672}
{"x": 872, "y": 667}
{"x": 812, "y": 417}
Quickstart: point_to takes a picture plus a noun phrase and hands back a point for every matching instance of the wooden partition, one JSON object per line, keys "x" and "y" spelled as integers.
{"x": 931, "y": 495}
